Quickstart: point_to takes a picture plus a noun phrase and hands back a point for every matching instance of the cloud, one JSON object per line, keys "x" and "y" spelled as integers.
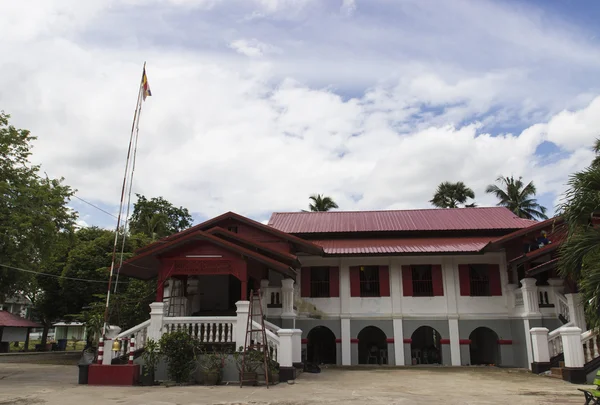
{"x": 374, "y": 110}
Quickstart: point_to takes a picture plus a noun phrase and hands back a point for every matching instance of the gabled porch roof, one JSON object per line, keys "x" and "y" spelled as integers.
{"x": 301, "y": 244}
{"x": 146, "y": 264}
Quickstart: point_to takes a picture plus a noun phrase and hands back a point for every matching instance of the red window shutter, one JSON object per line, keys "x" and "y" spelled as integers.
{"x": 354, "y": 281}
{"x": 334, "y": 281}
{"x": 305, "y": 282}
{"x": 495, "y": 284}
{"x": 407, "y": 286}
{"x": 464, "y": 279}
{"x": 384, "y": 281}
{"x": 438, "y": 281}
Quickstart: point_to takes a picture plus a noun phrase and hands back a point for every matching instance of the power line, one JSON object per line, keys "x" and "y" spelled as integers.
{"x": 52, "y": 275}
{"x": 95, "y": 206}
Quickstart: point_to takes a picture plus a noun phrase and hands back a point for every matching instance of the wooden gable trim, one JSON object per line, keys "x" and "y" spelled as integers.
{"x": 307, "y": 246}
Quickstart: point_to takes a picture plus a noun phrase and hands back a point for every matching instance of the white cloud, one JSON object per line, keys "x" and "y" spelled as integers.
{"x": 347, "y": 107}
{"x": 348, "y": 7}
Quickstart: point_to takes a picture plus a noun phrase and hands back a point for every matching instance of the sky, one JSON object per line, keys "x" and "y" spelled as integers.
{"x": 257, "y": 104}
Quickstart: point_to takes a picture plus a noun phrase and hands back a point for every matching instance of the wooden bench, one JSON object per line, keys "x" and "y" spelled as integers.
{"x": 592, "y": 397}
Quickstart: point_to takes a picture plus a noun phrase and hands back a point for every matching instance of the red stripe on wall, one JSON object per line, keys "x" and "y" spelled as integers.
{"x": 353, "y": 340}
{"x": 338, "y": 341}
{"x": 504, "y": 342}
{"x": 389, "y": 340}
{"x": 465, "y": 341}
{"x": 304, "y": 341}
{"x": 445, "y": 341}
{"x": 409, "y": 341}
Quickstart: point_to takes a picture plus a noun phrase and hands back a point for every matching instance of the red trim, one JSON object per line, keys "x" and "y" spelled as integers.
{"x": 407, "y": 286}
{"x": 389, "y": 340}
{"x": 338, "y": 340}
{"x": 437, "y": 279}
{"x": 464, "y": 280}
{"x": 384, "y": 281}
{"x": 354, "y": 281}
{"x": 464, "y": 341}
{"x": 334, "y": 281}
{"x": 505, "y": 342}
{"x": 444, "y": 341}
{"x": 408, "y": 340}
{"x": 305, "y": 282}
{"x": 353, "y": 340}
{"x": 304, "y": 341}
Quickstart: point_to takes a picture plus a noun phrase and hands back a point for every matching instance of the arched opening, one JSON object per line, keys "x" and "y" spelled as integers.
{"x": 372, "y": 346}
{"x": 484, "y": 348}
{"x": 426, "y": 347}
{"x": 320, "y": 348}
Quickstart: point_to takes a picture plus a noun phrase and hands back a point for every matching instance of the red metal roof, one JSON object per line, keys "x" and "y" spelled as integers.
{"x": 453, "y": 219}
{"x": 535, "y": 227}
{"x": 9, "y": 320}
{"x": 403, "y": 245}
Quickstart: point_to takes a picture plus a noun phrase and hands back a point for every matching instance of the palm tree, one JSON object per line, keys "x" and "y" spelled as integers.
{"x": 321, "y": 203}
{"x": 579, "y": 255}
{"x": 517, "y": 197}
{"x": 450, "y": 195}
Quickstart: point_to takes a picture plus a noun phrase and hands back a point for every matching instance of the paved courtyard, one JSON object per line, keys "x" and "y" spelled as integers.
{"x": 22, "y": 384}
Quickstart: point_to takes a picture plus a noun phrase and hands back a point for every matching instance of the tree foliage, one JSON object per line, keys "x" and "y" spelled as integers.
{"x": 579, "y": 258}
{"x": 517, "y": 197}
{"x": 33, "y": 210}
{"x": 452, "y": 195}
{"x": 157, "y": 217}
{"x": 321, "y": 203}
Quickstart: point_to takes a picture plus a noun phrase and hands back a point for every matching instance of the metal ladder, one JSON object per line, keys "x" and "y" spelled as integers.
{"x": 250, "y": 330}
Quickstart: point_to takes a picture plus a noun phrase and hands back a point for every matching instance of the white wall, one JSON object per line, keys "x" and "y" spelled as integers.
{"x": 14, "y": 334}
{"x": 397, "y": 305}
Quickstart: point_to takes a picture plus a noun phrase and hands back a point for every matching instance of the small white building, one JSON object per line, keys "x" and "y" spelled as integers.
{"x": 69, "y": 331}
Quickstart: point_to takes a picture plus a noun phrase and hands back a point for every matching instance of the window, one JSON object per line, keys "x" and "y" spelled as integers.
{"x": 233, "y": 229}
{"x": 422, "y": 281}
{"x": 369, "y": 281}
{"x": 479, "y": 277}
{"x": 319, "y": 282}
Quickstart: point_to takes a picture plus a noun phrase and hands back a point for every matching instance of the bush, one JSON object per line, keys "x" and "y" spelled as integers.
{"x": 180, "y": 350}
{"x": 151, "y": 356}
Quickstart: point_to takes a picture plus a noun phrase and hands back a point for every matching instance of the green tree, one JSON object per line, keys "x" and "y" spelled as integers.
{"x": 321, "y": 203}
{"x": 157, "y": 218}
{"x": 452, "y": 195}
{"x": 517, "y": 197}
{"x": 33, "y": 210}
{"x": 579, "y": 255}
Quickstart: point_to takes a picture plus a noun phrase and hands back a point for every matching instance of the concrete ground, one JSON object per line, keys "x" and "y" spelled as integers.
{"x": 22, "y": 384}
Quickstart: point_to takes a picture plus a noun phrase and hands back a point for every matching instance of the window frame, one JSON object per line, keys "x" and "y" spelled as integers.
{"x": 364, "y": 283}
{"x": 320, "y": 288}
{"x": 479, "y": 286}
{"x": 422, "y": 286}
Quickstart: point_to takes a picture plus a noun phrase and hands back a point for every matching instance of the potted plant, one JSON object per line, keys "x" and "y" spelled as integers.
{"x": 273, "y": 372}
{"x": 210, "y": 367}
{"x": 150, "y": 356}
{"x": 251, "y": 362}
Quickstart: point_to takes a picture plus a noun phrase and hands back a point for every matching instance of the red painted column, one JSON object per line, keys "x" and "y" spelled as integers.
{"x": 244, "y": 277}
{"x": 160, "y": 288}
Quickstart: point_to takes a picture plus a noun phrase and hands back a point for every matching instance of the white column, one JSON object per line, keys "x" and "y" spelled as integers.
{"x": 157, "y": 312}
{"x": 572, "y": 347}
{"x": 454, "y": 341}
{"x": 530, "y": 297}
{"x": 576, "y": 310}
{"x": 539, "y": 343}
{"x": 528, "y": 345}
{"x": 346, "y": 345}
{"x": 264, "y": 295}
{"x": 287, "y": 298}
{"x": 398, "y": 342}
{"x": 243, "y": 307}
{"x": 450, "y": 277}
{"x": 285, "y": 355}
{"x": 297, "y": 346}
{"x": 396, "y": 288}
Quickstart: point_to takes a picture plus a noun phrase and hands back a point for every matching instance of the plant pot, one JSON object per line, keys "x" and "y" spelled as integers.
{"x": 211, "y": 377}
{"x": 274, "y": 378}
{"x": 249, "y": 378}
{"x": 147, "y": 378}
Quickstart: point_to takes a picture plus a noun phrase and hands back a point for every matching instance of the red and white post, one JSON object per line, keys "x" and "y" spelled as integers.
{"x": 131, "y": 350}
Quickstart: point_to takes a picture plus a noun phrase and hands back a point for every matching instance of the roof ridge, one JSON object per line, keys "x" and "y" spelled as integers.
{"x": 403, "y": 210}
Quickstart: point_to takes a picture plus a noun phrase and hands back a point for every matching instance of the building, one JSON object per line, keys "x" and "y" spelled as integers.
{"x": 18, "y": 305}
{"x": 13, "y": 328}
{"x": 438, "y": 286}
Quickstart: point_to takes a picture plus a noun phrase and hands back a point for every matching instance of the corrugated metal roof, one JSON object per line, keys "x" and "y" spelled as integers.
{"x": 10, "y": 320}
{"x": 453, "y": 219}
{"x": 402, "y": 245}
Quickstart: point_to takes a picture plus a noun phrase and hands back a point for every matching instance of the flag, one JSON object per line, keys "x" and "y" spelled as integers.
{"x": 145, "y": 86}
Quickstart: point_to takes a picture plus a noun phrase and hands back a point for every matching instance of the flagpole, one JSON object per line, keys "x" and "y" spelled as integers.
{"x": 114, "y": 252}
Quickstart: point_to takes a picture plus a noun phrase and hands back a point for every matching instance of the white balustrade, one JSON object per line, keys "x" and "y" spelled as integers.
{"x": 518, "y": 298}
{"x": 591, "y": 348}
{"x": 272, "y": 339}
{"x": 555, "y": 343}
{"x": 139, "y": 333}
{"x": 545, "y": 296}
{"x": 563, "y": 306}
{"x": 204, "y": 329}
